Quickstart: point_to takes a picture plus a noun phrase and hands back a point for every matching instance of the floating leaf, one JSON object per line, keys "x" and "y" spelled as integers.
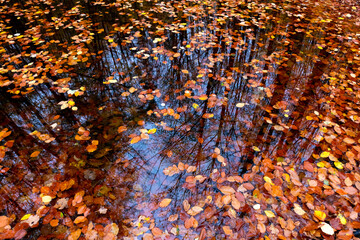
{"x": 46, "y": 199}
{"x": 298, "y": 210}
{"x": 121, "y": 129}
{"x": 165, "y": 202}
{"x": 227, "y": 190}
{"x": 91, "y": 148}
{"x": 208, "y": 115}
{"x": 269, "y": 214}
{"x": 152, "y": 131}
{"x": 35, "y": 154}
{"x": 327, "y": 229}
{"x": 26, "y": 216}
{"x": 227, "y": 230}
{"x": 325, "y": 154}
{"x": 135, "y": 140}
{"x": 75, "y": 235}
{"x": 4, "y": 221}
{"x": 339, "y": 165}
{"x": 320, "y": 215}
{"x": 240, "y": 105}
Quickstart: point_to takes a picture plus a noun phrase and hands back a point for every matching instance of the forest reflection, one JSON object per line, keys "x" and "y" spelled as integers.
{"x": 222, "y": 95}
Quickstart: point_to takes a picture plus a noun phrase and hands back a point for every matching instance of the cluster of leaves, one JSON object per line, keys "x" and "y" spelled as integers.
{"x": 291, "y": 109}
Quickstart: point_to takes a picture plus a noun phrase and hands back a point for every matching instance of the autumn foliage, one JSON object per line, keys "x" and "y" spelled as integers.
{"x": 179, "y": 119}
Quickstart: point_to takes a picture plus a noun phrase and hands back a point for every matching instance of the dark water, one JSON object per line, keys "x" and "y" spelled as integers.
{"x": 244, "y": 81}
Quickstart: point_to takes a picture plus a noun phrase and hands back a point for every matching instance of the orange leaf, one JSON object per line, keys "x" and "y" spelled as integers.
{"x": 165, "y": 202}
{"x": 75, "y": 235}
{"x": 208, "y": 115}
{"x": 191, "y": 222}
{"x": 227, "y": 190}
{"x": 156, "y": 231}
{"x": 91, "y": 148}
{"x": 4, "y": 221}
{"x": 227, "y": 230}
{"x": 135, "y": 140}
{"x": 121, "y": 129}
{"x": 80, "y": 219}
{"x": 35, "y": 154}
{"x": 54, "y": 222}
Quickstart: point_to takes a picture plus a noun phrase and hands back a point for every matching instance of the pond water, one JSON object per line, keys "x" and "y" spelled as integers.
{"x": 118, "y": 105}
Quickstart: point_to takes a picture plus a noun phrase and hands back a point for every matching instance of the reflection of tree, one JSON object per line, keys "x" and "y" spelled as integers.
{"x": 230, "y": 61}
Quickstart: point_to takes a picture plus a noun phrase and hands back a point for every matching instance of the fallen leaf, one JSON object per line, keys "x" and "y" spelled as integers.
{"x": 320, "y": 215}
{"x": 227, "y": 230}
{"x": 227, "y": 190}
{"x": 165, "y": 202}
{"x": 46, "y": 199}
{"x": 298, "y": 210}
{"x": 135, "y": 140}
{"x": 269, "y": 214}
{"x": 35, "y": 154}
{"x": 327, "y": 229}
{"x": 240, "y": 105}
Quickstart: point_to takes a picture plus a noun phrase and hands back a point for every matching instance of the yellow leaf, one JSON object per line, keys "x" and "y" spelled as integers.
{"x": 342, "y": 219}
{"x": 324, "y": 154}
{"x": 165, "y": 202}
{"x": 339, "y": 165}
{"x": 320, "y": 164}
{"x": 71, "y": 103}
{"x": 256, "y": 149}
{"x": 195, "y": 105}
{"x": 320, "y": 215}
{"x": 269, "y": 214}
{"x": 268, "y": 180}
{"x": 26, "y": 216}
{"x": 46, "y": 199}
{"x": 152, "y": 131}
